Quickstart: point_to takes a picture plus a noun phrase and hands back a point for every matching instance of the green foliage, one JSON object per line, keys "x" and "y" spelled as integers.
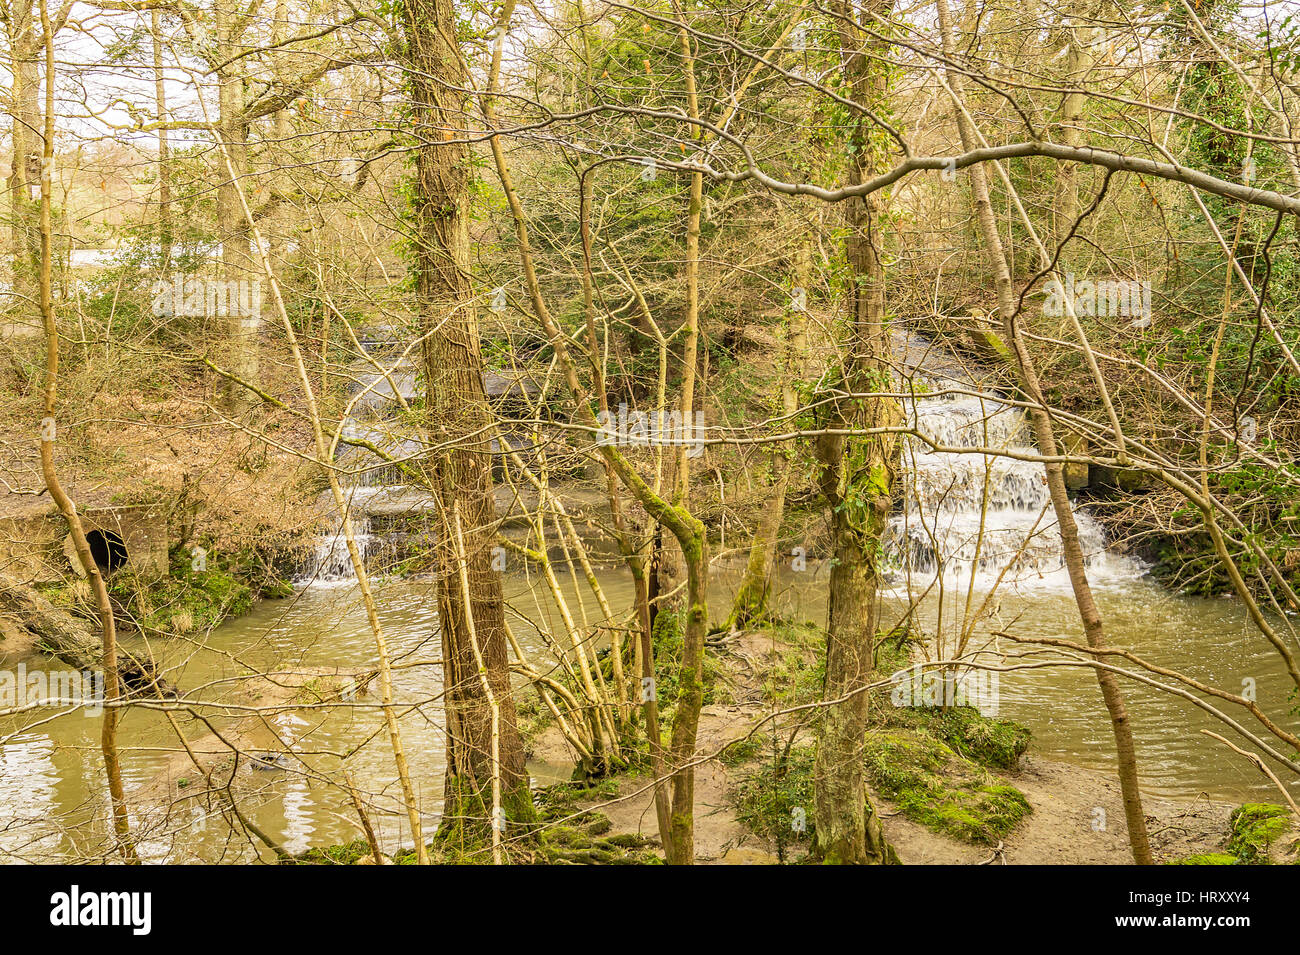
{"x": 186, "y": 600}
{"x": 941, "y": 790}
{"x": 893, "y": 650}
{"x": 1253, "y": 828}
{"x": 767, "y": 800}
{"x": 743, "y": 751}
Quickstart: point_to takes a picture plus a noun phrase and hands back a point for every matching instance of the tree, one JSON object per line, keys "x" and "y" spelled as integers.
{"x": 485, "y": 758}
{"x": 857, "y": 475}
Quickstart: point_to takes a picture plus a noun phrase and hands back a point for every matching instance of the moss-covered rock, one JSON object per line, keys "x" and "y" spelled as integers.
{"x": 561, "y": 800}
{"x": 931, "y": 783}
{"x": 571, "y": 835}
{"x": 942, "y": 790}
{"x": 566, "y": 845}
{"x": 995, "y": 743}
{"x": 1254, "y": 829}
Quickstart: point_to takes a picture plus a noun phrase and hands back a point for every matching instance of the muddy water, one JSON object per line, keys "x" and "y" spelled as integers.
{"x": 51, "y": 776}
{"x": 1212, "y": 641}
{"x": 51, "y": 781}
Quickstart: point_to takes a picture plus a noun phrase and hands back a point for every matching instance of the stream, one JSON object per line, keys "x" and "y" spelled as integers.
{"x": 968, "y": 518}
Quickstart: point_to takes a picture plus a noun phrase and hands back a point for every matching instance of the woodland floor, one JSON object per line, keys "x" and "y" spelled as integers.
{"x": 1059, "y": 831}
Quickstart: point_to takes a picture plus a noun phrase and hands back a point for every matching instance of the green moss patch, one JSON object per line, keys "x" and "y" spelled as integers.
{"x": 1207, "y": 858}
{"x": 1253, "y": 829}
{"x": 191, "y": 600}
{"x": 565, "y": 845}
{"x": 343, "y": 854}
{"x": 942, "y": 790}
{"x": 998, "y": 744}
{"x": 571, "y": 835}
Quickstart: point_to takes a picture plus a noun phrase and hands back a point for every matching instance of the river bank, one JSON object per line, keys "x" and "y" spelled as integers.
{"x": 1057, "y": 804}
{"x": 1074, "y": 817}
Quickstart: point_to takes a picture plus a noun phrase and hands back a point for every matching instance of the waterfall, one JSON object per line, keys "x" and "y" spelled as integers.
{"x": 964, "y": 513}
{"x": 976, "y": 513}
{"x": 390, "y": 515}
{"x": 330, "y": 561}
{"x": 376, "y": 490}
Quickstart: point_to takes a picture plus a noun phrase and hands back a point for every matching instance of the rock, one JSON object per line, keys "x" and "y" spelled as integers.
{"x": 1077, "y": 473}
{"x": 1124, "y": 480}
{"x": 987, "y": 343}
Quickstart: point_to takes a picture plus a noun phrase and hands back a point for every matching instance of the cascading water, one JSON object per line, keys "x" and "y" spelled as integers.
{"x": 974, "y": 504}
{"x": 389, "y": 513}
{"x": 375, "y": 489}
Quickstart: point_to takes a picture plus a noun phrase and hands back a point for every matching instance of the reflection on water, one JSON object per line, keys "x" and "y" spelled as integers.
{"x": 968, "y": 517}
{"x": 28, "y": 783}
{"x": 51, "y": 777}
{"x": 1210, "y": 640}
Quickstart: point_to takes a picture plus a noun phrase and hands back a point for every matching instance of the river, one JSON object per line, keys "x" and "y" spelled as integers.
{"x": 967, "y": 518}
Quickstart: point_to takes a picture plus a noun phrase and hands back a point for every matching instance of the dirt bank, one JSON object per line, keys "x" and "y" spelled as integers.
{"x": 1077, "y": 816}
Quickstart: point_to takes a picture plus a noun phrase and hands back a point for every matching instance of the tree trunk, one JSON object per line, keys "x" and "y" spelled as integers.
{"x": 1078, "y": 64}
{"x": 24, "y": 175}
{"x": 751, "y": 600}
{"x": 459, "y": 422}
{"x": 48, "y": 436}
{"x": 1041, "y": 423}
{"x": 688, "y": 532}
{"x": 856, "y": 479}
{"x": 164, "y": 149}
{"x": 690, "y": 696}
{"x": 237, "y": 331}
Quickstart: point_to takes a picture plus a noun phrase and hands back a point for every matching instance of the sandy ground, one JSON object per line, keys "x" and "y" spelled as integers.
{"x": 1065, "y": 827}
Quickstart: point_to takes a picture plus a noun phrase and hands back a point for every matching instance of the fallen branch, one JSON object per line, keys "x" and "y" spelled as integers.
{"x": 62, "y": 635}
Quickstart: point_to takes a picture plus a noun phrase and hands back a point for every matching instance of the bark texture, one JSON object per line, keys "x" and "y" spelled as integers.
{"x": 460, "y": 423}
{"x": 856, "y": 478}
